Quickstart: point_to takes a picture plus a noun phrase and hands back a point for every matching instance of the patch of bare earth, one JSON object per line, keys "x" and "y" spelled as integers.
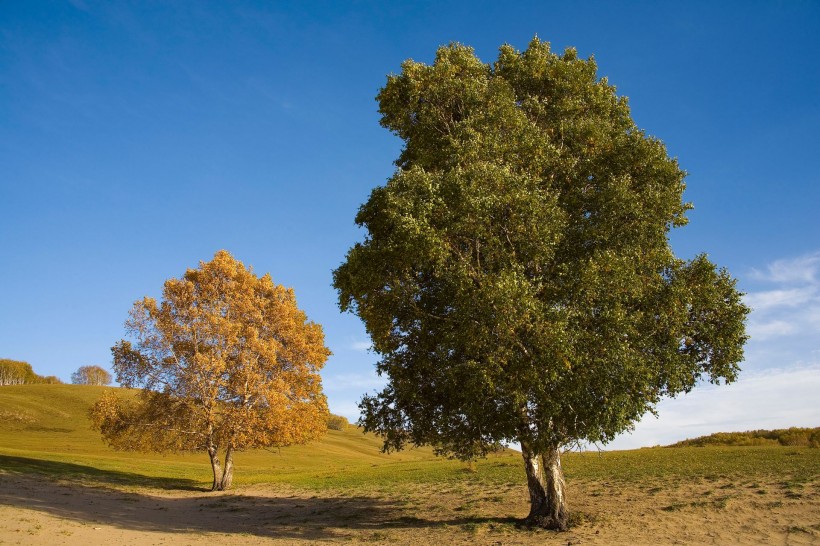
{"x": 35, "y": 511}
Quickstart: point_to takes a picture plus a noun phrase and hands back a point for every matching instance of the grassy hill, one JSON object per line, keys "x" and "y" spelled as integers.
{"x": 49, "y": 423}
{"x": 45, "y": 429}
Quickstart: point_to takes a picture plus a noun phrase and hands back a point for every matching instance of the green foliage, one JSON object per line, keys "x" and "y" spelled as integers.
{"x": 337, "y": 422}
{"x": 802, "y": 437}
{"x": 516, "y": 277}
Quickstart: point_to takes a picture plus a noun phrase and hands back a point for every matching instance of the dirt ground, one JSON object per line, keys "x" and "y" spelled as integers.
{"x": 37, "y": 511}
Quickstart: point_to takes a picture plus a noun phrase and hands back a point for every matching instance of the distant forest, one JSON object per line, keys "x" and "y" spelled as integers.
{"x": 798, "y": 437}
{"x": 17, "y": 372}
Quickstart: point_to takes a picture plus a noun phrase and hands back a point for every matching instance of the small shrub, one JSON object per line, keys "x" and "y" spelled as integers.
{"x": 337, "y": 422}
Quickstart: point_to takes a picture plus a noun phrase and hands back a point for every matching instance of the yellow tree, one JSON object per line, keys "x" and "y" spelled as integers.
{"x": 226, "y": 361}
{"x": 91, "y": 375}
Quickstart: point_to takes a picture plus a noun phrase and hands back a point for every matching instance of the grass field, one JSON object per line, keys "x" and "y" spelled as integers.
{"x": 45, "y": 435}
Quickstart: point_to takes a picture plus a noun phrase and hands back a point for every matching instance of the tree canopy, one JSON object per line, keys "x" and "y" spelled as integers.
{"x": 91, "y": 375}
{"x": 226, "y": 361}
{"x": 516, "y": 276}
{"x": 18, "y": 372}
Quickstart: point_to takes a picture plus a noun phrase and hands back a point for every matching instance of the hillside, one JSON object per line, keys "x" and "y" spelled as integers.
{"x": 50, "y": 423}
{"x": 794, "y": 437}
{"x": 45, "y": 428}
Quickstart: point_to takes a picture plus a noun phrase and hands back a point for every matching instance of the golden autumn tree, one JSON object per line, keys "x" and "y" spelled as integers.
{"x": 226, "y": 361}
{"x": 91, "y": 375}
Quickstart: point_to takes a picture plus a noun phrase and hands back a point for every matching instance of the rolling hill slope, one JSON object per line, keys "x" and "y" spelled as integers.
{"x": 45, "y": 429}
{"x": 49, "y": 423}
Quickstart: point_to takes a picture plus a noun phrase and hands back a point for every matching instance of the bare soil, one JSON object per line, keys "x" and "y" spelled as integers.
{"x": 35, "y": 510}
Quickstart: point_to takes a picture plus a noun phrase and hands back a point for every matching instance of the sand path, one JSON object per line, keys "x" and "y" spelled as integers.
{"x": 35, "y": 511}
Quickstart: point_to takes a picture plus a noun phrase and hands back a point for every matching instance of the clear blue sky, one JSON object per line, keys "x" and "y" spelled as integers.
{"x": 138, "y": 138}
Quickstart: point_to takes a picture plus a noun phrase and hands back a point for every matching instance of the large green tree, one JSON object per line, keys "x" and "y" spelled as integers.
{"x": 516, "y": 277}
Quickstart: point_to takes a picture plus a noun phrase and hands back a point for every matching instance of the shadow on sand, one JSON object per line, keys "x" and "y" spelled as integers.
{"x": 269, "y": 514}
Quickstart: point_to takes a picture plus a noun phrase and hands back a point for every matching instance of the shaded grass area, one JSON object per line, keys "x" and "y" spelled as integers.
{"x": 72, "y": 472}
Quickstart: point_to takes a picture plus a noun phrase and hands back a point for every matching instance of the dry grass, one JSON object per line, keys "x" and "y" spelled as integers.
{"x": 61, "y": 485}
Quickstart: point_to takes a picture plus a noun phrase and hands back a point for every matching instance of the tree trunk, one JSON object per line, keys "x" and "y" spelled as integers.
{"x": 545, "y": 479}
{"x": 216, "y": 466}
{"x": 227, "y": 474}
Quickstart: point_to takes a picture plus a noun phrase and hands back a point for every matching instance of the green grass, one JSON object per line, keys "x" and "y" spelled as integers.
{"x": 707, "y": 463}
{"x": 45, "y": 429}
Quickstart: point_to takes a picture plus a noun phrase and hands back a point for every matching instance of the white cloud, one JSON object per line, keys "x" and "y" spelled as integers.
{"x": 763, "y": 301}
{"x": 772, "y": 399}
{"x": 347, "y": 409}
{"x": 802, "y": 269}
{"x": 779, "y": 386}
{"x": 813, "y": 318}
{"x": 792, "y": 306}
{"x": 361, "y": 346}
{"x": 760, "y": 331}
{"x": 359, "y": 381}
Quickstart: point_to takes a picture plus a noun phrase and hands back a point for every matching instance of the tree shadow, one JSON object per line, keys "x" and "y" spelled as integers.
{"x": 269, "y": 513}
{"x": 82, "y": 473}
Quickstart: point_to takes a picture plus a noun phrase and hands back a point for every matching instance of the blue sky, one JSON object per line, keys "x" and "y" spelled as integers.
{"x": 138, "y": 138}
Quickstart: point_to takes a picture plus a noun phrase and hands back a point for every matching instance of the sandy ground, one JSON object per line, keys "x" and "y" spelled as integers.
{"x": 37, "y": 511}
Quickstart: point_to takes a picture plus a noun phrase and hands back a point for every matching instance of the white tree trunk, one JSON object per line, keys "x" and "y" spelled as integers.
{"x": 545, "y": 480}
{"x": 216, "y": 466}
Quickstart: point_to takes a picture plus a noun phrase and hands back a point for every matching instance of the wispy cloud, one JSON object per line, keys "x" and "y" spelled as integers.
{"x": 359, "y": 381}
{"x": 361, "y": 346}
{"x": 347, "y": 409}
{"x": 772, "y": 399}
{"x": 790, "y": 303}
{"x": 759, "y": 330}
{"x": 800, "y": 270}
{"x": 762, "y": 301}
{"x": 781, "y": 373}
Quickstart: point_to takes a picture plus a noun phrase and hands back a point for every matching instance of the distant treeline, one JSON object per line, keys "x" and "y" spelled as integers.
{"x": 16, "y": 372}
{"x": 799, "y": 437}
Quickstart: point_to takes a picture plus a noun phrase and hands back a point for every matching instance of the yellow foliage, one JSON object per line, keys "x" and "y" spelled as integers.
{"x": 226, "y": 360}
{"x": 337, "y": 422}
